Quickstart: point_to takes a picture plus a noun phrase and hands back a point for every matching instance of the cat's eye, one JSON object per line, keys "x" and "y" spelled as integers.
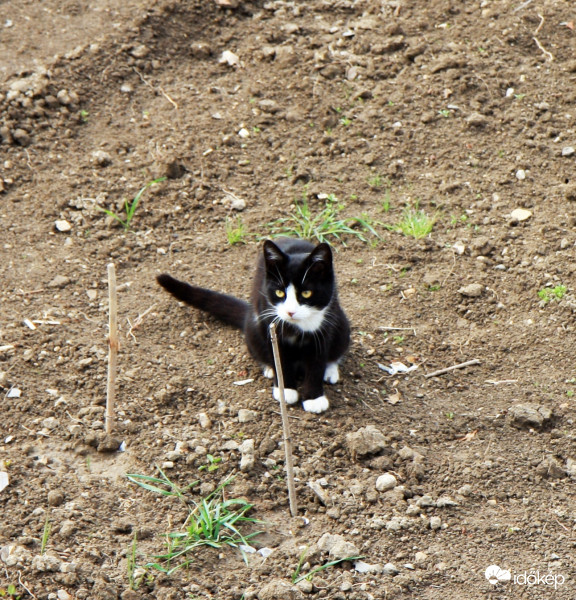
{"x": 306, "y": 294}
{"x": 280, "y": 293}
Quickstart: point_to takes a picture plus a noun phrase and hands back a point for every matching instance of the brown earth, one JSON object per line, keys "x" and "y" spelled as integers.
{"x": 465, "y": 110}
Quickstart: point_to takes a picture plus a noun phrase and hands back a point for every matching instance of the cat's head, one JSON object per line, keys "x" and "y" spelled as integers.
{"x": 299, "y": 285}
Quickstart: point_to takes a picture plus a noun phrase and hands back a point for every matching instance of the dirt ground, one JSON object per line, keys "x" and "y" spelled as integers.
{"x": 463, "y": 110}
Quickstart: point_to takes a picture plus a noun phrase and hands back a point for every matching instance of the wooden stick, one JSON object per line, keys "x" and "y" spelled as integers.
{"x": 113, "y": 347}
{"x": 285, "y": 423}
{"x": 474, "y": 361}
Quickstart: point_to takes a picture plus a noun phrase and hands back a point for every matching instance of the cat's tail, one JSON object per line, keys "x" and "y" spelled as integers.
{"x": 228, "y": 309}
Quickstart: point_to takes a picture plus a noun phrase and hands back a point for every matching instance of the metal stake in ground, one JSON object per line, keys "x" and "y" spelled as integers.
{"x": 285, "y": 423}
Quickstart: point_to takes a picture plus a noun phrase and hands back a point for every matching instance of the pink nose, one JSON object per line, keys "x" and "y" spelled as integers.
{"x": 290, "y": 314}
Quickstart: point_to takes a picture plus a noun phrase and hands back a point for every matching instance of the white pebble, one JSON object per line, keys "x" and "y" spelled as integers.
{"x": 386, "y": 482}
{"x": 62, "y": 225}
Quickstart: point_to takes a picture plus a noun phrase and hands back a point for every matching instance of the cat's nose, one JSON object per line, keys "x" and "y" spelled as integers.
{"x": 290, "y": 314}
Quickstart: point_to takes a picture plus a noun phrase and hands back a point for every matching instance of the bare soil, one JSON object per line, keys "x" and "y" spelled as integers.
{"x": 465, "y": 110}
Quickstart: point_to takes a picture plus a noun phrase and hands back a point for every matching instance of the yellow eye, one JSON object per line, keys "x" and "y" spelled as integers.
{"x": 280, "y": 293}
{"x": 306, "y": 294}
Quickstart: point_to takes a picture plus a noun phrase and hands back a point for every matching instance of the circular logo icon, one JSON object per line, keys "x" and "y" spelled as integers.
{"x": 494, "y": 574}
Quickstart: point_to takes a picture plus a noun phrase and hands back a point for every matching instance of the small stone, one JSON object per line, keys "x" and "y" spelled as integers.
{"x": 435, "y": 523}
{"x": 364, "y": 567}
{"x": 67, "y": 530}
{"x": 64, "y": 595}
{"x": 64, "y": 97}
{"x": 62, "y": 225}
{"x": 550, "y": 468}
{"x": 233, "y": 202}
{"x": 103, "y": 159}
{"x": 59, "y": 281}
{"x": 305, "y": 586}
{"x": 279, "y": 589}
{"x": 568, "y": 151}
{"x": 21, "y": 137}
{"x": 571, "y": 468}
{"x": 229, "y": 58}
{"x": 420, "y": 557}
{"x": 564, "y": 243}
{"x": 126, "y": 88}
{"x": 109, "y": 443}
{"x": 269, "y": 106}
{"x": 473, "y": 290}
{"x": 245, "y": 415}
{"x": 425, "y": 502}
{"x": 204, "y": 421}
{"x": 477, "y": 120}
{"x": 367, "y": 440}
{"x": 320, "y": 493}
{"x": 520, "y": 174}
{"x": 529, "y": 415}
{"x": 465, "y": 490}
{"x": 55, "y": 498}
{"x": 390, "y": 569}
{"x": 248, "y": 458}
{"x": 337, "y": 547}
{"x": 50, "y": 423}
{"x": 445, "y": 501}
{"x": 140, "y": 51}
{"x": 386, "y": 482}
{"x": 520, "y": 214}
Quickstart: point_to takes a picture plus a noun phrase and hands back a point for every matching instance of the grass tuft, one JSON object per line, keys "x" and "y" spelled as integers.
{"x": 415, "y": 223}
{"x": 213, "y": 522}
{"x": 130, "y": 207}
{"x": 324, "y": 225}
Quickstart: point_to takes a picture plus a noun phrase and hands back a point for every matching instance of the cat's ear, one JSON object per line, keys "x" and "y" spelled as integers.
{"x": 273, "y": 256}
{"x": 321, "y": 255}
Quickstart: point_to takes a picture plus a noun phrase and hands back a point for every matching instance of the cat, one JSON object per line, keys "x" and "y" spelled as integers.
{"x": 295, "y": 287}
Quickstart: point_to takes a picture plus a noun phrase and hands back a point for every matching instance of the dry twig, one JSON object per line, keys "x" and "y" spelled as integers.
{"x": 285, "y": 423}
{"x": 468, "y": 363}
{"x": 113, "y": 347}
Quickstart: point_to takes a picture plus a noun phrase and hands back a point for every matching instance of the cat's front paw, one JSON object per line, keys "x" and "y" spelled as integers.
{"x": 332, "y": 374}
{"x": 290, "y": 395}
{"x": 268, "y": 372}
{"x": 319, "y": 405}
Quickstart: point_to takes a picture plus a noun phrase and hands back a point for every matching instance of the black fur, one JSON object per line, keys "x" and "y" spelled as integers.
{"x": 304, "y": 354}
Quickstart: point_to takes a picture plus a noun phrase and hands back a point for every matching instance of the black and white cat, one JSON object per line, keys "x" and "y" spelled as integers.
{"x": 295, "y": 287}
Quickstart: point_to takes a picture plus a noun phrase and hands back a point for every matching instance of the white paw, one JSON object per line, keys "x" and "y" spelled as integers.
{"x": 268, "y": 372}
{"x": 316, "y": 406}
{"x": 290, "y": 396}
{"x": 331, "y": 374}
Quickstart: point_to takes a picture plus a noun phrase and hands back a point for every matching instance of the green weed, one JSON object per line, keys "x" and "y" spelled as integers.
{"x": 10, "y": 592}
{"x": 548, "y": 294}
{"x": 377, "y": 181}
{"x": 130, "y": 207}
{"x": 160, "y": 485}
{"x": 415, "y": 223}
{"x": 213, "y": 522}
{"x": 45, "y": 535}
{"x": 324, "y": 225}
{"x": 213, "y": 463}
{"x": 235, "y": 231}
{"x": 297, "y": 577}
